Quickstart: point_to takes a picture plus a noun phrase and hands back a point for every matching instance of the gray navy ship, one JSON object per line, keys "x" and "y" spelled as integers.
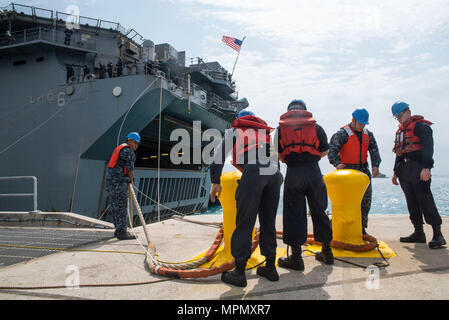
{"x": 70, "y": 95}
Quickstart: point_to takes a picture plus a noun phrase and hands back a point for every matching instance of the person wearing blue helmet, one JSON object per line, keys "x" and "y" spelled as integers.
{"x": 349, "y": 148}
{"x": 120, "y": 173}
{"x": 257, "y": 194}
{"x": 245, "y": 113}
{"x": 301, "y": 143}
{"x": 413, "y": 147}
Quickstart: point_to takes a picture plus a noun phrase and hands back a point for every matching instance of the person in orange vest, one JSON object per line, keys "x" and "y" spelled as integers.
{"x": 413, "y": 147}
{"x": 257, "y": 193}
{"x": 301, "y": 143}
{"x": 349, "y": 148}
{"x": 120, "y": 173}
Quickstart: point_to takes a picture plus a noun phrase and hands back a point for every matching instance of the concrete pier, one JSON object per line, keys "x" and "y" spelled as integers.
{"x": 117, "y": 270}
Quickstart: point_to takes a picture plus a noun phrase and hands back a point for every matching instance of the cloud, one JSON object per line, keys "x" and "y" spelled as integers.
{"x": 321, "y": 22}
{"x": 337, "y": 56}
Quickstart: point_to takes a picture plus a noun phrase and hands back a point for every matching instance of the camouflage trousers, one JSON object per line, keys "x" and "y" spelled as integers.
{"x": 366, "y": 200}
{"x": 118, "y": 200}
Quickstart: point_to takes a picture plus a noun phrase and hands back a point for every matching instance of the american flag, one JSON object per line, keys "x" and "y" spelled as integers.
{"x": 232, "y": 42}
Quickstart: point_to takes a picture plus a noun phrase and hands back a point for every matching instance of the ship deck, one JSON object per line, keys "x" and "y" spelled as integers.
{"x": 111, "y": 269}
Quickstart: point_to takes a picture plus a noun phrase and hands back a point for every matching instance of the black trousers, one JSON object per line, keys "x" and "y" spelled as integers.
{"x": 257, "y": 194}
{"x": 420, "y": 202}
{"x": 303, "y": 182}
{"x": 366, "y": 200}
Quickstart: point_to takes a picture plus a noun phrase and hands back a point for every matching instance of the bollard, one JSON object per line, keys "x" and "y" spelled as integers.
{"x": 229, "y": 184}
{"x": 346, "y": 189}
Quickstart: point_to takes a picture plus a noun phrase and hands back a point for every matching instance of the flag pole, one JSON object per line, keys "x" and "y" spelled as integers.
{"x": 237, "y": 56}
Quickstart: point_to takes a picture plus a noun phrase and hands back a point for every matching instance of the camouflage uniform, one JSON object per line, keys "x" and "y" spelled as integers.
{"x": 336, "y": 143}
{"x": 117, "y": 188}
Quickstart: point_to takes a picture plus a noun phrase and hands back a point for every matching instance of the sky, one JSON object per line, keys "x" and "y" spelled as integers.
{"x": 335, "y": 55}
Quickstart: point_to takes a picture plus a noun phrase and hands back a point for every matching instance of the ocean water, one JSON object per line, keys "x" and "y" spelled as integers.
{"x": 388, "y": 198}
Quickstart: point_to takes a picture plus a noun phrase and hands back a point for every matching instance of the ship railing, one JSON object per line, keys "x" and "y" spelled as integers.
{"x": 131, "y": 69}
{"x": 34, "y": 194}
{"x": 149, "y": 68}
{"x": 219, "y": 75}
{"x": 216, "y": 75}
{"x": 78, "y": 40}
{"x": 239, "y": 105}
{"x": 215, "y": 101}
{"x": 197, "y": 64}
{"x": 177, "y": 84}
{"x": 127, "y": 69}
{"x": 82, "y": 20}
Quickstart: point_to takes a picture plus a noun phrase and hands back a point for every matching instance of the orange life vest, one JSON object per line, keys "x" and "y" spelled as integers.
{"x": 405, "y": 140}
{"x": 115, "y": 154}
{"x": 252, "y": 132}
{"x": 298, "y": 133}
{"x": 352, "y": 151}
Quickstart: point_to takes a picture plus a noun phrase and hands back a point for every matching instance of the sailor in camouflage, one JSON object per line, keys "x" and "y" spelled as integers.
{"x": 348, "y": 149}
{"x": 120, "y": 174}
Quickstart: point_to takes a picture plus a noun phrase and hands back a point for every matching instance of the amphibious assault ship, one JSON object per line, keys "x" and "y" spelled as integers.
{"x": 70, "y": 92}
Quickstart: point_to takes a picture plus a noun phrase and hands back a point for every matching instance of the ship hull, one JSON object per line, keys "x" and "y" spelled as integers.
{"x": 65, "y": 142}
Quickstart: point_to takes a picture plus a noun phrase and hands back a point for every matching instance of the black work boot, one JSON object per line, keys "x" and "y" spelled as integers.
{"x": 418, "y": 236}
{"x": 294, "y": 261}
{"x": 237, "y": 276}
{"x": 438, "y": 240}
{"x": 124, "y": 235}
{"x": 269, "y": 271}
{"x": 325, "y": 255}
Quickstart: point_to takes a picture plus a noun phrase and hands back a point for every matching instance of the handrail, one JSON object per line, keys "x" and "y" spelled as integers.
{"x": 50, "y": 35}
{"x": 58, "y": 15}
{"x": 34, "y": 194}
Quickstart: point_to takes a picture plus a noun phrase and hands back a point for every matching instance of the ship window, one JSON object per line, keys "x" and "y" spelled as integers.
{"x": 19, "y": 62}
{"x": 40, "y": 59}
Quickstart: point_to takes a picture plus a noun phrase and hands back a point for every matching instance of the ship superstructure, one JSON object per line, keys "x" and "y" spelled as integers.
{"x": 69, "y": 95}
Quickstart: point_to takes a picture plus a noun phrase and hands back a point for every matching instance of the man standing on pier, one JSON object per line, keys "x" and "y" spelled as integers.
{"x": 257, "y": 193}
{"x": 349, "y": 148}
{"x": 120, "y": 174}
{"x": 414, "y": 159}
{"x": 301, "y": 143}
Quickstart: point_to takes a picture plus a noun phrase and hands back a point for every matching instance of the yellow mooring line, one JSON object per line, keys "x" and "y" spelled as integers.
{"x": 66, "y": 249}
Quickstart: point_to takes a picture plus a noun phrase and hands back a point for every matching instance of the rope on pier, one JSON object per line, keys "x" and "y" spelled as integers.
{"x": 188, "y": 269}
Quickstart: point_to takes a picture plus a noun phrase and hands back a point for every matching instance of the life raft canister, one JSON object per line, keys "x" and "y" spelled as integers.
{"x": 114, "y": 157}
{"x": 406, "y": 141}
{"x": 298, "y": 133}
{"x": 252, "y": 132}
{"x": 352, "y": 151}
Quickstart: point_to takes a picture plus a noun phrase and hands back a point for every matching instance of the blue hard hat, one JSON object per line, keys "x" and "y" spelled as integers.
{"x": 297, "y": 104}
{"x": 398, "y": 107}
{"x": 133, "y": 136}
{"x": 244, "y": 113}
{"x": 361, "y": 115}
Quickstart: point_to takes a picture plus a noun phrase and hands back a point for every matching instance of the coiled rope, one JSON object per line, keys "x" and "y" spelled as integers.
{"x": 185, "y": 270}
{"x": 371, "y": 245}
